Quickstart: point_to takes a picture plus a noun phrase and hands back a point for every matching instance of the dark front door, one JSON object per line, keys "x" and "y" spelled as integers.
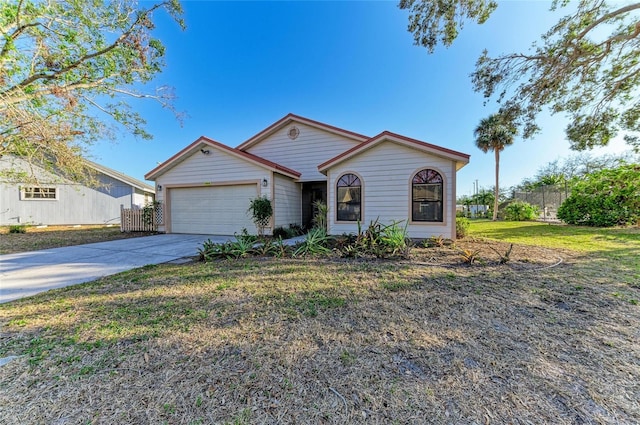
{"x": 312, "y": 192}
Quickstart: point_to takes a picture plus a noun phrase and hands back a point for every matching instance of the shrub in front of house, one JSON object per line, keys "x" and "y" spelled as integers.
{"x": 18, "y": 228}
{"x": 378, "y": 240}
{"x": 462, "y": 227}
{"x": 287, "y": 232}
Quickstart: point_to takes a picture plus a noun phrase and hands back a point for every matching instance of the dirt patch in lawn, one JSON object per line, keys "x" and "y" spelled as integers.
{"x": 491, "y": 253}
{"x": 432, "y": 340}
{"x": 37, "y": 238}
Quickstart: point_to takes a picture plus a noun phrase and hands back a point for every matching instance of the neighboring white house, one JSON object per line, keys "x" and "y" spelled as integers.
{"x": 206, "y": 187}
{"x": 55, "y": 200}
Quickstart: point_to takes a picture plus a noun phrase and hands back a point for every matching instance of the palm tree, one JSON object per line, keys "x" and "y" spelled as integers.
{"x": 494, "y": 133}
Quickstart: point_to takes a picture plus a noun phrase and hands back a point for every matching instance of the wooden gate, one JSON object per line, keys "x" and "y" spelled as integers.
{"x": 137, "y": 220}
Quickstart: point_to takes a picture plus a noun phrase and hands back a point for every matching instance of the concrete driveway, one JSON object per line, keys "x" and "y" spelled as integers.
{"x": 28, "y": 273}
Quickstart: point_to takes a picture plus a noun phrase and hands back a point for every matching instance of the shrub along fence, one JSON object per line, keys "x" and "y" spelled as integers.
{"x": 547, "y": 198}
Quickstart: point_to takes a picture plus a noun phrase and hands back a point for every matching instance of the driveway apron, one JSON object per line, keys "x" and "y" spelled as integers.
{"x": 28, "y": 273}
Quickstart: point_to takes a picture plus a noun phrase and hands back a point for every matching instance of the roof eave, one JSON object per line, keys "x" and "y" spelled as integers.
{"x": 120, "y": 177}
{"x": 261, "y": 162}
{"x": 458, "y": 157}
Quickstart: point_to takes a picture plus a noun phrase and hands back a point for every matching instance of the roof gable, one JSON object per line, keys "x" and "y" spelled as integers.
{"x": 290, "y": 118}
{"x": 202, "y": 140}
{"x": 53, "y": 173}
{"x": 461, "y": 159}
{"x": 120, "y": 176}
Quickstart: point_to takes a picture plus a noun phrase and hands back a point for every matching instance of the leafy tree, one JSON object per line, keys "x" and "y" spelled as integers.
{"x": 261, "y": 212}
{"x": 586, "y": 66}
{"x": 493, "y": 134}
{"x": 567, "y": 170}
{"x": 64, "y": 64}
{"x": 434, "y": 22}
{"x": 484, "y": 197}
{"x": 604, "y": 198}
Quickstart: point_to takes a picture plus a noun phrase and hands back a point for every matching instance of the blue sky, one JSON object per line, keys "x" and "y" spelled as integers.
{"x": 240, "y": 66}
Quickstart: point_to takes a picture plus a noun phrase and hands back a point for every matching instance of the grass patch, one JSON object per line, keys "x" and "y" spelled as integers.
{"x": 34, "y": 238}
{"x": 576, "y": 238}
{"x": 609, "y": 248}
{"x": 335, "y": 341}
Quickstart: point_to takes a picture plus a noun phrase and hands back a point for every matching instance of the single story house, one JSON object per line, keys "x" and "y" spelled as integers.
{"x": 55, "y": 200}
{"x": 207, "y": 186}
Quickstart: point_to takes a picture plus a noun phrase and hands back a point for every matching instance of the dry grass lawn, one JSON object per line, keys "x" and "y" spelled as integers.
{"x": 56, "y": 236}
{"x": 272, "y": 341}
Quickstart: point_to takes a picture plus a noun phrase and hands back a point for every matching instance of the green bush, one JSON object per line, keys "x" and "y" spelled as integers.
{"x": 295, "y": 229}
{"x": 378, "y": 240}
{"x": 18, "y": 228}
{"x": 286, "y": 233}
{"x": 608, "y": 197}
{"x": 521, "y": 211}
{"x": 320, "y": 216}
{"x": 462, "y": 227}
{"x": 315, "y": 243}
{"x": 261, "y": 212}
{"x": 280, "y": 233}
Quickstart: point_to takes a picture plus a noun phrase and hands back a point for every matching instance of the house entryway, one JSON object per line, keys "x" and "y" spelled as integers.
{"x": 312, "y": 192}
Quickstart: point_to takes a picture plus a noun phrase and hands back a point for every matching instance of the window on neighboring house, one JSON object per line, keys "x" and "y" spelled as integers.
{"x": 348, "y": 198}
{"x": 426, "y": 196}
{"x": 29, "y": 193}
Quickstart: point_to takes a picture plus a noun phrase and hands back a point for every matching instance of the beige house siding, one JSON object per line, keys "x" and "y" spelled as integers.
{"x": 310, "y": 148}
{"x": 288, "y": 201}
{"x": 217, "y": 168}
{"x": 386, "y": 171}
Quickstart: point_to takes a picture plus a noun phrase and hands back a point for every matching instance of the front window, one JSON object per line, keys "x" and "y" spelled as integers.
{"x": 426, "y": 196}
{"x": 348, "y": 192}
{"x": 38, "y": 193}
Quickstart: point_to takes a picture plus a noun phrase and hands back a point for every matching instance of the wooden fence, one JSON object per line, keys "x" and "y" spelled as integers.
{"x": 138, "y": 220}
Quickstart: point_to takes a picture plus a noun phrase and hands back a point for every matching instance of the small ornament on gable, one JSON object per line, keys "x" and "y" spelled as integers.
{"x": 293, "y": 132}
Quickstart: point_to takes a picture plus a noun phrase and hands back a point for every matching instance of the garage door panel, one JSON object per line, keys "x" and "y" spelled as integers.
{"x": 215, "y": 210}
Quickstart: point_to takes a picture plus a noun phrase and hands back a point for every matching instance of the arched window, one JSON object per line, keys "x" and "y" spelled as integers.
{"x": 426, "y": 196}
{"x": 348, "y": 198}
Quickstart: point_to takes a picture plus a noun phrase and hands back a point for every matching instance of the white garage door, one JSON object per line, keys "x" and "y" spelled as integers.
{"x": 212, "y": 210}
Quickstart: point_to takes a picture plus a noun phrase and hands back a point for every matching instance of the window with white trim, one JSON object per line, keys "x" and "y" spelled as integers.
{"x": 38, "y": 193}
{"x": 426, "y": 196}
{"x": 348, "y": 198}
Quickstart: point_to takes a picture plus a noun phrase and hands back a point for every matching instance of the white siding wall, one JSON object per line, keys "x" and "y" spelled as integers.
{"x": 215, "y": 168}
{"x": 288, "y": 201}
{"x": 141, "y": 198}
{"x": 386, "y": 171}
{"x": 311, "y": 148}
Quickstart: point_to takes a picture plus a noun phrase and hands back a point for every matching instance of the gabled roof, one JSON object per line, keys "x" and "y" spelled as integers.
{"x": 460, "y": 158}
{"x": 283, "y": 122}
{"x": 120, "y": 176}
{"x": 117, "y": 175}
{"x": 202, "y": 140}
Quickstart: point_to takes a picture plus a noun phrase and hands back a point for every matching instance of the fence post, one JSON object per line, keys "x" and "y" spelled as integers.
{"x": 544, "y": 205}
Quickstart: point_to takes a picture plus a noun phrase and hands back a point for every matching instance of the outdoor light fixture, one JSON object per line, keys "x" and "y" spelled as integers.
{"x": 205, "y": 151}
{"x": 264, "y": 182}
{"x": 159, "y": 188}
